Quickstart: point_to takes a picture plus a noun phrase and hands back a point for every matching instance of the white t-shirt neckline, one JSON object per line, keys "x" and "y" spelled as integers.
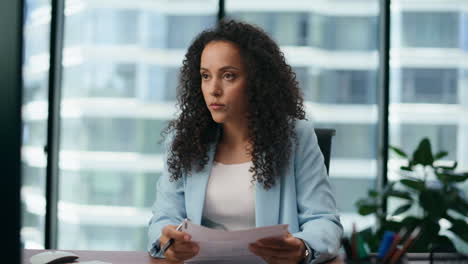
{"x": 230, "y": 197}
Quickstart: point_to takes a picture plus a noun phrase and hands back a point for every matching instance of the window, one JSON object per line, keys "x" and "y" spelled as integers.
{"x": 427, "y": 85}
{"x": 437, "y": 86}
{"x": 352, "y": 141}
{"x": 286, "y": 28}
{"x": 164, "y": 77}
{"x": 118, "y": 92}
{"x": 464, "y": 31}
{"x": 35, "y": 94}
{"x": 430, "y": 29}
{"x": 442, "y": 137}
{"x": 99, "y": 80}
{"x": 299, "y": 28}
{"x": 343, "y": 32}
{"x": 343, "y": 87}
{"x": 112, "y": 26}
{"x": 186, "y": 27}
{"x": 110, "y": 188}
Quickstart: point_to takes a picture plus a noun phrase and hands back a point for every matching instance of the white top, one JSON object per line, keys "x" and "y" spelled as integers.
{"x": 230, "y": 197}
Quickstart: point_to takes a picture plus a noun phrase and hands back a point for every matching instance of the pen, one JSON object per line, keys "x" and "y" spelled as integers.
{"x": 354, "y": 243}
{"x": 414, "y": 235}
{"x": 347, "y": 248}
{"x": 396, "y": 240}
{"x": 361, "y": 249}
{"x": 171, "y": 241}
{"x": 385, "y": 244}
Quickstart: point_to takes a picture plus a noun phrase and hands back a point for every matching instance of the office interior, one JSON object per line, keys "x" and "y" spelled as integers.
{"x": 96, "y": 80}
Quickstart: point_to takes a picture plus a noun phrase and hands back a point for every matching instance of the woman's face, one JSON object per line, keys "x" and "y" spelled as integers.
{"x": 224, "y": 78}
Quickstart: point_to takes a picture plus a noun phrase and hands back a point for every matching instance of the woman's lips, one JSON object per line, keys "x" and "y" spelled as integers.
{"x": 216, "y": 106}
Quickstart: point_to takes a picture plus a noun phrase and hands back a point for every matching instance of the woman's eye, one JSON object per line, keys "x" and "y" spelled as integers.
{"x": 204, "y": 76}
{"x": 229, "y": 76}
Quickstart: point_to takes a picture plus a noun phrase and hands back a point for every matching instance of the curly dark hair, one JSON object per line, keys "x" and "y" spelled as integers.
{"x": 274, "y": 103}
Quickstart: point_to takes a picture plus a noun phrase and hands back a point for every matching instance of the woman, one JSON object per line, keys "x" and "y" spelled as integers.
{"x": 241, "y": 154}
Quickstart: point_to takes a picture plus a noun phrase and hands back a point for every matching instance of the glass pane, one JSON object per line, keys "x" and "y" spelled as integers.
{"x": 35, "y": 96}
{"x": 121, "y": 63}
{"x": 429, "y": 83}
{"x": 332, "y": 47}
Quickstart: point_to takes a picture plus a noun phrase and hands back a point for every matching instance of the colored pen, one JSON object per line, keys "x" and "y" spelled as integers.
{"x": 347, "y": 247}
{"x": 171, "y": 241}
{"x": 354, "y": 245}
{"x": 361, "y": 249}
{"x": 396, "y": 257}
{"x": 385, "y": 244}
{"x": 393, "y": 247}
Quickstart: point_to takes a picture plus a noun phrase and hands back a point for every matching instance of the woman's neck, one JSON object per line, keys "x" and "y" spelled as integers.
{"x": 235, "y": 134}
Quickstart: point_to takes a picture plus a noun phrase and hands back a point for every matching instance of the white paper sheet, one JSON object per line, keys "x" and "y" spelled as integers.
{"x": 93, "y": 262}
{"x": 229, "y": 246}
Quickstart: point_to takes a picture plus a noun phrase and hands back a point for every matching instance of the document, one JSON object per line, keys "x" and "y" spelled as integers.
{"x": 220, "y": 246}
{"x": 94, "y": 262}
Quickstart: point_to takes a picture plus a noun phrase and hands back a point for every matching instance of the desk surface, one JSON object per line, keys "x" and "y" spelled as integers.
{"x": 142, "y": 257}
{"x": 114, "y": 257}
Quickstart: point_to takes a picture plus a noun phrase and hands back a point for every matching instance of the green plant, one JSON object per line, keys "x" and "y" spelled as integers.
{"x": 427, "y": 188}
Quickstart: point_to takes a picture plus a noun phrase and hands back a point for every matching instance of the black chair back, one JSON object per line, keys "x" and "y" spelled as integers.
{"x": 324, "y": 137}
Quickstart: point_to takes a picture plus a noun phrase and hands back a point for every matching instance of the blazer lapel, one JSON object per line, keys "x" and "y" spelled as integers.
{"x": 267, "y": 204}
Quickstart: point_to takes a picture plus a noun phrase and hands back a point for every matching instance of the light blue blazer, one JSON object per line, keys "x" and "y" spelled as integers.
{"x": 301, "y": 198}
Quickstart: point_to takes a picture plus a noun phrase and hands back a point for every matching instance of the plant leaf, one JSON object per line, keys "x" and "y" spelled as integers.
{"x": 458, "y": 203}
{"x": 398, "y": 151}
{"x": 444, "y": 244}
{"x": 367, "y": 209}
{"x": 373, "y": 193}
{"x": 462, "y": 209}
{"x": 370, "y": 238}
{"x": 411, "y": 222}
{"x": 430, "y": 227}
{"x": 460, "y": 229}
{"x": 400, "y": 194}
{"x": 454, "y": 166}
{"x": 440, "y": 155}
{"x": 390, "y": 226}
{"x": 433, "y": 203}
{"x": 423, "y": 153}
{"x": 406, "y": 168}
{"x": 366, "y": 206}
{"x": 402, "y": 209}
{"x": 450, "y": 177}
{"x": 414, "y": 184}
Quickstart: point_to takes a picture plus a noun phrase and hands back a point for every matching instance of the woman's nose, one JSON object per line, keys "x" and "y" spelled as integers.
{"x": 215, "y": 88}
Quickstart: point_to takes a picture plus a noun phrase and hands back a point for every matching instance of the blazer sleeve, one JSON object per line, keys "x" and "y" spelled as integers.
{"x": 168, "y": 208}
{"x": 319, "y": 222}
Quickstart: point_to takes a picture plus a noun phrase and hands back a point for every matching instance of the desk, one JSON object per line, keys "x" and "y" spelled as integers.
{"x": 142, "y": 257}
{"x": 114, "y": 257}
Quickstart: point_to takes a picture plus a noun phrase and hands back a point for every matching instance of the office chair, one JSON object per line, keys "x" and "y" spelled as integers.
{"x": 324, "y": 137}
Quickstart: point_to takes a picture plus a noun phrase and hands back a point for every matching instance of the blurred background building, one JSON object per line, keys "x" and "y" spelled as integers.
{"x": 120, "y": 68}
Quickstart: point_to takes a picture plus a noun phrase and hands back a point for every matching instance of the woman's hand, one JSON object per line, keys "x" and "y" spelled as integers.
{"x": 182, "y": 248}
{"x": 279, "y": 250}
